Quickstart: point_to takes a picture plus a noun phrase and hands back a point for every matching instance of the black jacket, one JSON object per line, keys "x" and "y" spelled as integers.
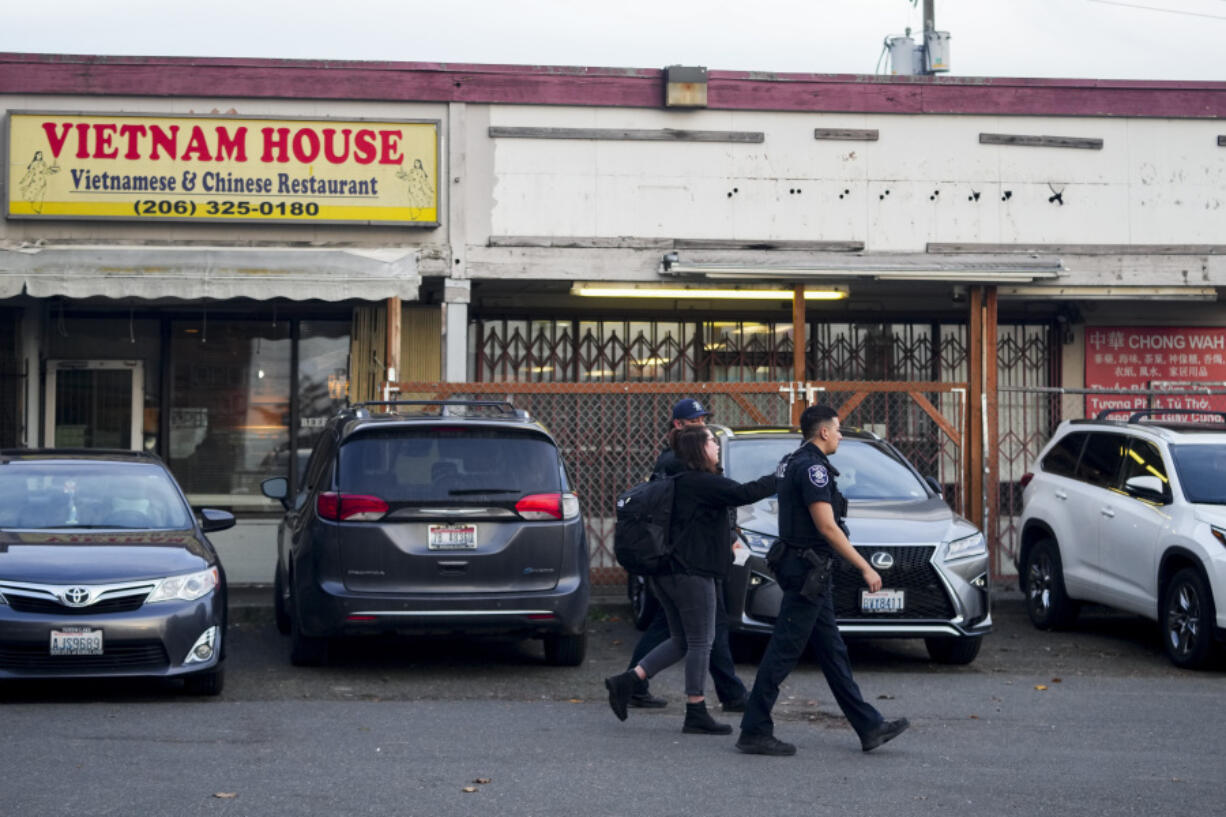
{"x": 699, "y": 532}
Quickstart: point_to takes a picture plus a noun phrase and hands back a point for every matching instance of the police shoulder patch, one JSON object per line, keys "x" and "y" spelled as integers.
{"x": 818, "y": 475}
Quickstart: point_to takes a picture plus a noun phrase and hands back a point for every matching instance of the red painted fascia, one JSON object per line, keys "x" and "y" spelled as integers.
{"x": 55, "y": 74}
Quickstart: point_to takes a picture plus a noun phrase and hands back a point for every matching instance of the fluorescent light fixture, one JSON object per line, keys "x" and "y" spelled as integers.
{"x": 707, "y": 293}
{"x": 1110, "y": 293}
{"x": 974, "y": 271}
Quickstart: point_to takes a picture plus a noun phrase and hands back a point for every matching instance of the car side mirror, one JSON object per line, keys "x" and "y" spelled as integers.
{"x": 212, "y": 519}
{"x": 934, "y": 485}
{"x": 1146, "y": 487}
{"x": 276, "y": 488}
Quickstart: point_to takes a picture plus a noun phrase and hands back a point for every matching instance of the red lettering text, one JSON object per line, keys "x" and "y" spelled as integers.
{"x": 102, "y": 144}
{"x": 306, "y": 146}
{"x": 132, "y": 133}
{"x": 231, "y": 147}
{"x": 390, "y": 141}
{"x": 275, "y": 139}
{"x": 330, "y": 153}
{"x": 56, "y": 143}
{"x": 164, "y": 141}
{"x": 364, "y": 148}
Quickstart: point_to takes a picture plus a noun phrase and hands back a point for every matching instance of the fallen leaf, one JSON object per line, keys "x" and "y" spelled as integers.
{"x": 617, "y": 642}
{"x": 1040, "y": 687}
{"x": 469, "y": 789}
{"x": 974, "y": 717}
{"x": 575, "y": 701}
{"x": 226, "y": 795}
{"x": 481, "y": 781}
{"x": 1055, "y": 680}
{"x": 885, "y": 697}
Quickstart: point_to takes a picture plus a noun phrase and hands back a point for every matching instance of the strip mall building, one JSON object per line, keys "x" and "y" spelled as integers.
{"x": 204, "y": 258}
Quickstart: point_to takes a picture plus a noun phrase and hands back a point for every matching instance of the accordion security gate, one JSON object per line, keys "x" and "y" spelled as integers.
{"x": 611, "y": 433}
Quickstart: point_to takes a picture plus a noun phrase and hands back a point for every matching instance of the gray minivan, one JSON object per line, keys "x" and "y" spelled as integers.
{"x": 432, "y": 518}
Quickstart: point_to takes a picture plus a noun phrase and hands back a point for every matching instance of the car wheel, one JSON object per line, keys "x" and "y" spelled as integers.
{"x": 279, "y": 609}
{"x": 643, "y": 603}
{"x": 566, "y": 650}
{"x": 205, "y": 683}
{"x": 954, "y": 650}
{"x": 304, "y": 650}
{"x": 1188, "y": 620}
{"x": 1048, "y": 606}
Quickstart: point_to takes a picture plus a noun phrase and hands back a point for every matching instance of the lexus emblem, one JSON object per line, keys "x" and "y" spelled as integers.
{"x": 882, "y": 560}
{"x": 76, "y": 596}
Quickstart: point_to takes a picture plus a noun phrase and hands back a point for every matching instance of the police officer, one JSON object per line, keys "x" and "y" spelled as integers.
{"x": 728, "y": 687}
{"x": 811, "y": 533}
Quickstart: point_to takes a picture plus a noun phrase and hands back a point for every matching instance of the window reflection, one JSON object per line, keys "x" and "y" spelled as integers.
{"x": 229, "y": 403}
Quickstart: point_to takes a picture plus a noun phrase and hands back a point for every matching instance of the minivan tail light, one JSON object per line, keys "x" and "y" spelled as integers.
{"x": 548, "y": 506}
{"x": 350, "y": 507}
{"x": 1025, "y": 480}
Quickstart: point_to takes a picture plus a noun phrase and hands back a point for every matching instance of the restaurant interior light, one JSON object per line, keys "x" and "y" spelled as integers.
{"x": 710, "y": 293}
{"x": 1110, "y": 293}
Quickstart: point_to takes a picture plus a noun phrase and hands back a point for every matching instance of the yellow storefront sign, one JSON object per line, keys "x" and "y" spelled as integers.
{"x": 221, "y": 169}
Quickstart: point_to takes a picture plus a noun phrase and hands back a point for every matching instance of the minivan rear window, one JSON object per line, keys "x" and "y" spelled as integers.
{"x": 449, "y": 465}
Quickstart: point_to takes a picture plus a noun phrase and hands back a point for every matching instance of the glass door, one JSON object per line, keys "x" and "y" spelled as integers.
{"x": 94, "y": 404}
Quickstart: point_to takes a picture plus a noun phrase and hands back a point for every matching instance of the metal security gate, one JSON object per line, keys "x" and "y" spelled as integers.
{"x": 611, "y": 433}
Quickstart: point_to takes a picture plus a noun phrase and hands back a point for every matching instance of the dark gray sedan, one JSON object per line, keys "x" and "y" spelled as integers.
{"x": 105, "y": 571}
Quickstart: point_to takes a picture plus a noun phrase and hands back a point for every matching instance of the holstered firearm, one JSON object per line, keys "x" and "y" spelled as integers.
{"x": 818, "y": 577}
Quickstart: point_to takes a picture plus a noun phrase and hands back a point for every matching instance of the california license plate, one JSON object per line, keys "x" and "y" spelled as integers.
{"x": 76, "y": 641}
{"x": 883, "y": 601}
{"x": 452, "y": 537}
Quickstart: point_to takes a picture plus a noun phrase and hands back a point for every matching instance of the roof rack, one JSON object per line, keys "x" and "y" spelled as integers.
{"x": 1135, "y": 416}
{"x": 445, "y": 408}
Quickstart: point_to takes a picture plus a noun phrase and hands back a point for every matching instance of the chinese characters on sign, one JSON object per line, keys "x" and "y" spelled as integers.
{"x": 1172, "y": 358}
{"x": 198, "y": 168}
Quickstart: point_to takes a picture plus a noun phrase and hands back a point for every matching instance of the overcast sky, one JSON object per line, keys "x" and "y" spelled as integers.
{"x": 1106, "y": 39}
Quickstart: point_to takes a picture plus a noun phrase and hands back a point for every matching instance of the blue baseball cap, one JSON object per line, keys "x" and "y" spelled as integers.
{"x": 689, "y": 409}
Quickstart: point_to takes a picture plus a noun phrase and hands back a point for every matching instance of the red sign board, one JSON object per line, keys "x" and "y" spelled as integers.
{"x": 1171, "y": 358}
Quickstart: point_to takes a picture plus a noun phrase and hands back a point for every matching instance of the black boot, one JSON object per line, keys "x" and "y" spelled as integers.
{"x": 620, "y": 687}
{"x": 699, "y": 722}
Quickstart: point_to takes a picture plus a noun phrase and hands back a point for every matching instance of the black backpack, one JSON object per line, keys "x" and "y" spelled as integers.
{"x": 640, "y": 537}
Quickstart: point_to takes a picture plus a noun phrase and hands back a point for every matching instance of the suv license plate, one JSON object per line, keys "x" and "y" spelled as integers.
{"x": 452, "y": 537}
{"x": 76, "y": 641}
{"x": 883, "y": 601}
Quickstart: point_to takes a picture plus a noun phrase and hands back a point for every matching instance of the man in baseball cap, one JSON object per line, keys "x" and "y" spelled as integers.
{"x": 688, "y": 409}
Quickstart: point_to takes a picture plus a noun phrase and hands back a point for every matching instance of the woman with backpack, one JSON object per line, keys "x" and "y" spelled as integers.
{"x": 701, "y": 542}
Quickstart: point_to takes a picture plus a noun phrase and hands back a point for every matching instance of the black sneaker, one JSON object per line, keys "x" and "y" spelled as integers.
{"x": 645, "y": 700}
{"x": 620, "y": 687}
{"x": 887, "y": 731}
{"x": 734, "y": 706}
{"x": 764, "y": 745}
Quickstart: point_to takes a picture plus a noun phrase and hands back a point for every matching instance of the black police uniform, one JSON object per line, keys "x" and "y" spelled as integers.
{"x": 728, "y": 687}
{"x": 808, "y": 477}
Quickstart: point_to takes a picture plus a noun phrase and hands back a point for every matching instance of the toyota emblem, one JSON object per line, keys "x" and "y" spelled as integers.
{"x": 76, "y": 596}
{"x": 882, "y": 560}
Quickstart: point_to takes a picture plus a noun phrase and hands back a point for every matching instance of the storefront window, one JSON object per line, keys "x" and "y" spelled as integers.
{"x": 229, "y": 404}
{"x": 323, "y": 379}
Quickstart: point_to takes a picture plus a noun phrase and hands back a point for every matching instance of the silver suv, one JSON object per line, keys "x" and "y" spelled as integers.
{"x": 432, "y": 518}
{"x": 1132, "y": 515}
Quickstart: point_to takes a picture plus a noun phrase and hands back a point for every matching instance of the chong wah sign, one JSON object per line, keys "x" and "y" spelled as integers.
{"x": 66, "y": 166}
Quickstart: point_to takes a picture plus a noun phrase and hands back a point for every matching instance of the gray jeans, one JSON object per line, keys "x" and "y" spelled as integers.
{"x": 689, "y": 606}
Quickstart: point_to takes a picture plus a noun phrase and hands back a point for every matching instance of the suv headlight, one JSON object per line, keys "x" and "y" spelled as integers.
{"x": 1218, "y": 533}
{"x": 973, "y": 545}
{"x": 759, "y": 543}
{"x": 185, "y": 588}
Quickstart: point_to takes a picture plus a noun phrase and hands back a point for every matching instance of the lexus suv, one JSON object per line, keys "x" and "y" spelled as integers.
{"x": 1130, "y": 514}
{"x": 933, "y": 563}
{"x": 432, "y": 518}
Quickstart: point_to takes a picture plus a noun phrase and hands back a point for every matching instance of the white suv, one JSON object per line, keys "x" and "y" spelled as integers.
{"x": 1131, "y": 515}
